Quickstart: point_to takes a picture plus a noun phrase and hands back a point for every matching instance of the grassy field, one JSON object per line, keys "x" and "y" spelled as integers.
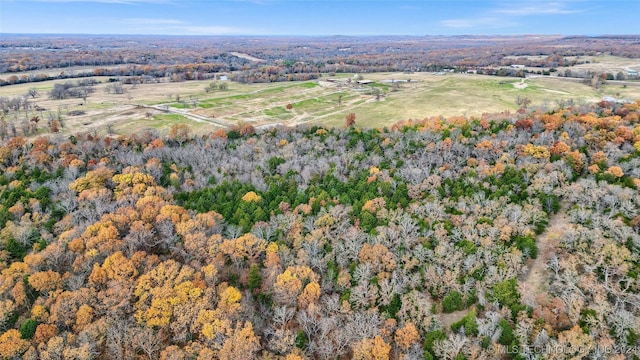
{"x": 607, "y": 63}
{"x": 411, "y": 96}
{"x": 470, "y": 95}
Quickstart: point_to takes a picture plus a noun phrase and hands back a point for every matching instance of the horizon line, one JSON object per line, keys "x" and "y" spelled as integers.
{"x": 315, "y": 35}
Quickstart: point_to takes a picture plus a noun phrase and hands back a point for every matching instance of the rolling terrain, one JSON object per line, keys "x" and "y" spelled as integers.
{"x": 382, "y": 99}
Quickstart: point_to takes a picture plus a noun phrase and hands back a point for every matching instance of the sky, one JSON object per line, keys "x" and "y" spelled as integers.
{"x": 315, "y": 17}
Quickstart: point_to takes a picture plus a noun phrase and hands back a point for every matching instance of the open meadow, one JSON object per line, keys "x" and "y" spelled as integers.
{"x": 377, "y": 100}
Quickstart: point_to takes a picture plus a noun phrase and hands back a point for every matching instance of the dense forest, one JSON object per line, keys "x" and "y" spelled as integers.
{"x": 410, "y": 242}
{"x": 270, "y": 59}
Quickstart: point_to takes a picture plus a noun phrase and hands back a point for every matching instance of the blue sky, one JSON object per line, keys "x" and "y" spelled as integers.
{"x": 314, "y": 17}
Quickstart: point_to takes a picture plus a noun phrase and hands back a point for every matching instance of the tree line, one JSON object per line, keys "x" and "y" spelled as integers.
{"x": 286, "y": 59}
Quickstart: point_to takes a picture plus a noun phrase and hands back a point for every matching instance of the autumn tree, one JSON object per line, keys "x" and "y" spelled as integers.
{"x": 12, "y": 345}
{"x": 350, "y": 120}
{"x": 406, "y": 337}
{"x": 180, "y": 133}
{"x": 242, "y": 344}
{"x": 371, "y": 349}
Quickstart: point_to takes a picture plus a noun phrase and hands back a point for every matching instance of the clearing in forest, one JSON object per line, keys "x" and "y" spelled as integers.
{"x": 537, "y": 279}
{"x": 381, "y": 100}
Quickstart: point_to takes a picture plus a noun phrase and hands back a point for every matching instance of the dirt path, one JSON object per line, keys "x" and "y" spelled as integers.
{"x": 447, "y": 319}
{"x": 520, "y": 85}
{"x": 245, "y": 56}
{"x": 253, "y": 105}
{"x": 189, "y": 115}
{"x": 343, "y": 108}
{"x": 630, "y": 67}
{"x": 536, "y": 280}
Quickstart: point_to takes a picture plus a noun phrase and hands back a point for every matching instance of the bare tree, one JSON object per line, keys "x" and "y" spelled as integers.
{"x": 33, "y": 92}
{"x": 4, "y": 129}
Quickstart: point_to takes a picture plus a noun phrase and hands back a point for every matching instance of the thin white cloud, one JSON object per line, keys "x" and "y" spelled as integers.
{"x": 148, "y": 21}
{"x": 544, "y": 8}
{"x": 125, "y": 2}
{"x": 176, "y": 27}
{"x": 213, "y": 30}
{"x": 513, "y": 13}
{"x": 485, "y": 22}
{"x": 258, "y": 2}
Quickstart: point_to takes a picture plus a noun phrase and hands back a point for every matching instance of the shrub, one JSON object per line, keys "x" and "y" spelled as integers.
{"x": 28, "y": 328}
{"x": 527, "y": 243}
{"x": 301, "y": 340}
{"x": 506, "y": 336}
{"x": 506, "y": 294}
{"x": 469, "y": 323}
{"x": 255, "y": 279}
{"x": 431, "y": 338}
{"x": 452, "y": 302}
